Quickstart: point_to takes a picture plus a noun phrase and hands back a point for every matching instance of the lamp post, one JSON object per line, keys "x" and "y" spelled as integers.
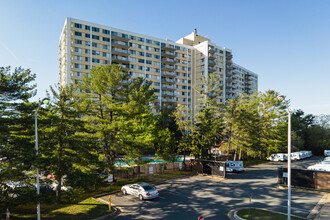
{"x": 43, "y": 101}
{"x": 281, "y": 98}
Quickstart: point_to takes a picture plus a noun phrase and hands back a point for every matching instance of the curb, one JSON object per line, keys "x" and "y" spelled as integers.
{"x": 233, "y": 213}
{"x": 316, "y": 210}
{"x": 107, "y": 216}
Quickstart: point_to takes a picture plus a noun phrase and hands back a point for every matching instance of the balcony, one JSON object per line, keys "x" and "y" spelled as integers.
{"x": 167, "y": 67}
{"x": 212, "y": 69}
{"x": 120, "y": 44}
{"x": 229, "y": 79}
{"x": 121, "y": 37}
{"x": 212, "y": 56}
{"x": 212, "y": 63}
{"x": 167, "y": 54}
{"x": 168, "y": 47}
{"x": 229, "y": 62}
{"x": 167, "y": 93}
{"x": 168, "y": 100}
{"x": 229, "y": 67}
{"x": 212, "y": 50}
{"x": 119, "y": 51}
{"x": 167, "y": 87}
{"x": 165, "y": 73}
{"x": 168, "y": 61}
{"x": 229, "y": 55}
{"x": 118, "y": 59}
{"x": 123, "y": 67}
{"x": 168, "y": 80}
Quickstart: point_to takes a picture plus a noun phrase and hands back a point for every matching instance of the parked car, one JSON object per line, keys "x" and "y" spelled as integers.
{"x": 234, "y": 166}
{"x": 141, "y": 190}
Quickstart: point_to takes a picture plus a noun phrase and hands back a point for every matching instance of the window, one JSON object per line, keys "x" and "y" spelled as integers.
{"x": 77, "y": 57}
{"x": 141, "y": 60}
{"x": 106, "y": 62}
{"x": 156, "y": 84}
{"x": 94, "y": 60}
{"x": 87, "y": 35}
{"x": 106, "y": 31}
{"x": 106, "y": 47}
{"x": 132, "y": 37}
{"x": 148, "y": 48}
{"x": 157, "y": 77}
{"x": 77, "y": 41}
{"x": 156, "y": 49}
{"x": 148, "y": 41}
{"x": 157, "y": 90}
{"x": 87, "y": 43}
{"x": 132, "y": 44}
{"x": 148, "y": 76}
{"x": 95, "y": 37}
{"x": 95, "y": 29}
{"x": 141, "y": 68}
{"x": 177, "y": 47}
{"x": 95, "y": 45}
{"x": 132, "y": 59}
{"x": 78, "y": 74}
{"x": 157, "y": 70}
{"x": 140, "y": 39}
{"x": 141, "y": 53}
{"x": 177, "y": 73}
{"x": 87, "y": 27}
{"x": 76, "y": 25}
{"x": 132, "y": 73}
{"x": 140, "y": 46}
{"x": 87, "y": 51}
{"x": 141, "y": 75}
{"x": 156, "y": 56}
{"x": 106, "y": 39}
{"x": 106, "y": 54}
{"x": 156, "y": 43}
{"x": 77, "y": 50}
{"x": 77, "y": 66}
{"x": 148, "y": 55}
{"x": 157, "y": 63}
{"x": 96, "y": 53}
{"x": 87, "y": 67}
{"x": 149, "y": 62}
{"x": 87, "y": 59}
{"x": 132, "y": 52}
{"x": 132, "y": 66}
{"x": 77, "y": 33}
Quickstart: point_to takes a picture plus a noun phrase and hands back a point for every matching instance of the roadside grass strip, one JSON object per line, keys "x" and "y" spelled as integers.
{"x": 261, "y": 214}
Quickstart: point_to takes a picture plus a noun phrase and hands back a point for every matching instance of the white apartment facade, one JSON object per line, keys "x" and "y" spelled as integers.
{"x": 175, "y": 68}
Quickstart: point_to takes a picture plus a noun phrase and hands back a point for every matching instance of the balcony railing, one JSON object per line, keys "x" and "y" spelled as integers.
{"x": 168, "y": 53}
{"x": 119, "y": 44}
{"x": 166, "y": 73}
{"x": 119, "y": 51}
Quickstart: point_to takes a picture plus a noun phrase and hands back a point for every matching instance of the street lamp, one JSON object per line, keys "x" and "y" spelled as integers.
{"x": 43, "y": 101}
{"x": 281, "y": 98}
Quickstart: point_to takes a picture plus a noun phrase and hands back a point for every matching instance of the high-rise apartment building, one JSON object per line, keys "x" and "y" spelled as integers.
{"x": 175, "y": 68}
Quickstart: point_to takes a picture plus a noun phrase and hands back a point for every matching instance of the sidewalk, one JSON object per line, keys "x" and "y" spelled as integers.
{"x": 324, "y": 212}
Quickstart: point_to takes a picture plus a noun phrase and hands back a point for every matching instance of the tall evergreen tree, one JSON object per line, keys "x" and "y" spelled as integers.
{"x": 64, "y": 151}
{"x": 17, "y": 150}
{"x": 117, "y": 111}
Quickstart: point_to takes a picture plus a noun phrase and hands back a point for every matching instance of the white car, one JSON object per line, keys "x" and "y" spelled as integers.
{"x": 141, "y": 190}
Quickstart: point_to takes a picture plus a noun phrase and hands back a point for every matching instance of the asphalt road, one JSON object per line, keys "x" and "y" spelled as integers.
{"x": 213, "y": 198}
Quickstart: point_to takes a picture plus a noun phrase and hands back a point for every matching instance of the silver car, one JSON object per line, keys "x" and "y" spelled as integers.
{"x": 141, "y": 190}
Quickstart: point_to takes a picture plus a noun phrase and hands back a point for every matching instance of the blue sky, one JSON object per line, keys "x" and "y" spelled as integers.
{"x": 287, "y": 43}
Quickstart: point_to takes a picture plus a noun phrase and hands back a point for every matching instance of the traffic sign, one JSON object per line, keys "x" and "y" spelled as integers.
{"x": 201, "y": 218}
{"x": 110, "y": 178}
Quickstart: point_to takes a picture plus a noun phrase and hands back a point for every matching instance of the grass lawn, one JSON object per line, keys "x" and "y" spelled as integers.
{"x": 85, "y": 206}
{"x": 85, "y": 209}
{"x": 252, "y": 162}
{"x": 260, "y": 214}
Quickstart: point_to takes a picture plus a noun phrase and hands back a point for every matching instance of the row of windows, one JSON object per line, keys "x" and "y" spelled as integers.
{"x": 131, "y": 37}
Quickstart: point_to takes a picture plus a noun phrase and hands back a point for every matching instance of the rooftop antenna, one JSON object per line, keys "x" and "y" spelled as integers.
{"x": 195, "y": 31}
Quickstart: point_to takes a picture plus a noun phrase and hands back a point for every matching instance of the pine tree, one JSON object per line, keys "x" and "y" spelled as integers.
{"x": 17, "y": 152}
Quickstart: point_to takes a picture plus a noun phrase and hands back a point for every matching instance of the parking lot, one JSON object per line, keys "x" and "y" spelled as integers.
{"x": 213, "y": 198}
